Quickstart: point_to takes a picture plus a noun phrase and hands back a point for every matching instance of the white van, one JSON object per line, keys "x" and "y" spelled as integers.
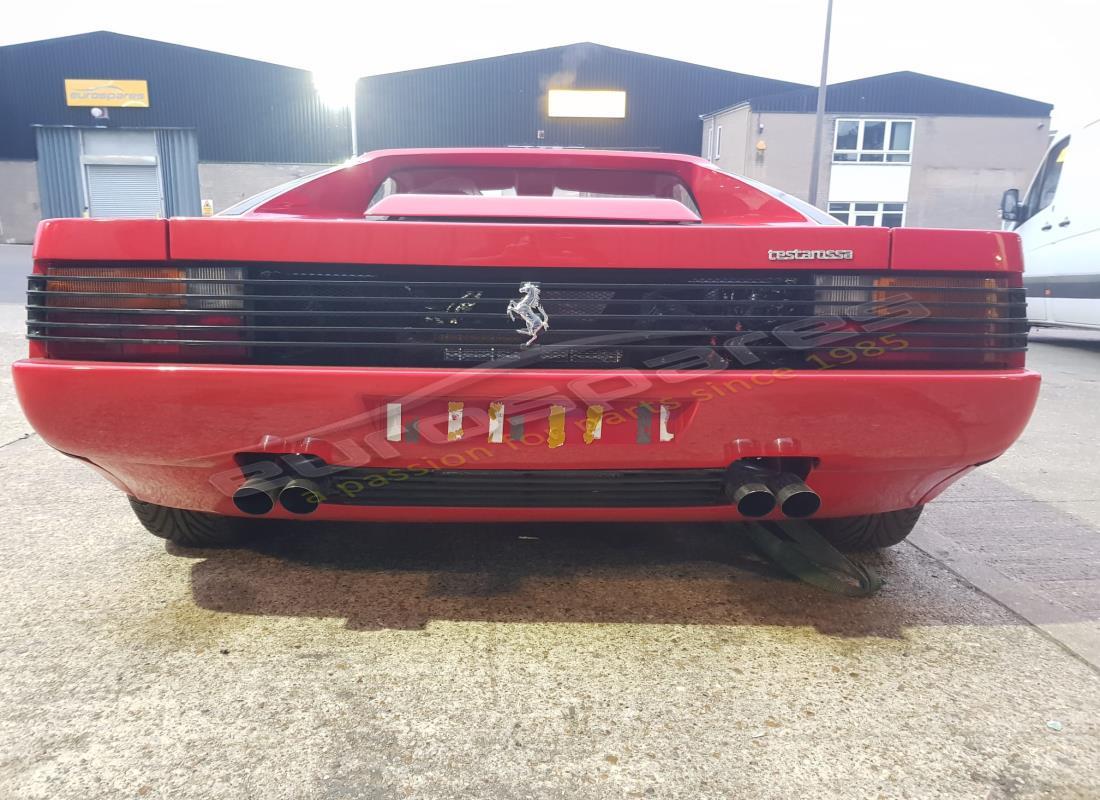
{"x": 1059, "y": 222}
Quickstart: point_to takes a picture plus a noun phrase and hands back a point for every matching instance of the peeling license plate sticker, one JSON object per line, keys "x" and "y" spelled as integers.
{"x": 557, "y": 432}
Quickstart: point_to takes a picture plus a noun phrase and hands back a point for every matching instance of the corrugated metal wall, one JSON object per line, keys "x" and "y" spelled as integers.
{"x": 906, "y": 93}
{"x": 178, "y": 158}
{"x": 60, "y": 184}
{"x": 502, "y": 101}
{"x": 241, "y": 110}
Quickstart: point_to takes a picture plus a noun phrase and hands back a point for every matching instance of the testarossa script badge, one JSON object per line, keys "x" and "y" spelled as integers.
{"x": 810, "y": 255}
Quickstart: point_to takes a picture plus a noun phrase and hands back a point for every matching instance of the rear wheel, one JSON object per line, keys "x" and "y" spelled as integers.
{"x": 869, "y": 532}
{"x": 189, "y": 528}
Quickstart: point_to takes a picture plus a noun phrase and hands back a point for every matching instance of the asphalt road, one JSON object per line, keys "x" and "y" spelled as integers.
{"x": 538, "y": 661}
{"x": 15, "y": 264}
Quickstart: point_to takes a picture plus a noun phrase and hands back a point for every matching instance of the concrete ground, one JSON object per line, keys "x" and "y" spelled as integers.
{"x": 543, "y": 661}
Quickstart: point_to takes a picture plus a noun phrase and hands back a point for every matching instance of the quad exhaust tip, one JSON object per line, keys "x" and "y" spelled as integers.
{"x": 300, "y": 496}
{"x": 256, "y": 496}
{"x": 259, "y": 496}
{"x": 757, "y": 491}
{"x": 795, "y": 498}
{"x": 754, "y": 490}
{"x": 746, "y": 488}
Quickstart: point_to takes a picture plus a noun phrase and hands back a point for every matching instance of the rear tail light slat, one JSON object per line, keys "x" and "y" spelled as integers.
{"x": 238, "y": 298}
{"x": 509, "y": 285}
{"x": 470, "y": 315}
{"x": 325, "y": 329}
{"x": 377, "y": 315}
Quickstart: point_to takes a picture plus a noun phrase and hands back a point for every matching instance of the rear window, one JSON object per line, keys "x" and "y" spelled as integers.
{"x": 249, "y": 203}
{"x": 535, "y": 182}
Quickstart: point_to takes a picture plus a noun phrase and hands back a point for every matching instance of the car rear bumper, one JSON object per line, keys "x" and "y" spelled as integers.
{"x": 173, "y": 435}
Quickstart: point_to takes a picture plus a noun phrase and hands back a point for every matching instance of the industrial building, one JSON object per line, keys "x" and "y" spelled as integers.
{"x": 102, "y": 124}
{"x": 899, "y": 149}
{"x": 530, "y": 100}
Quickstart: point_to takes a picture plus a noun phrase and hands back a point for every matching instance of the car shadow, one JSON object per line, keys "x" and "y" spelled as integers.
{"x": 403, "y": 576}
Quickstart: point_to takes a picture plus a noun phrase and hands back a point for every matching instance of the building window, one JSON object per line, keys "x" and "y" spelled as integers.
{"x": 883, "y": 215}
{"x": 873, "y": 141}
{"x": 718, "y": 143}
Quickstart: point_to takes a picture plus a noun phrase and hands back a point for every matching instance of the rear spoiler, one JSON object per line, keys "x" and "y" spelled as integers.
{"x": 596, "y": 209}
{"x": 346, "y": 192}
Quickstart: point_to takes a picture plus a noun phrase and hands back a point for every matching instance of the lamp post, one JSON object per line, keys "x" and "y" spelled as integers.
{"x": 819, "y": 121}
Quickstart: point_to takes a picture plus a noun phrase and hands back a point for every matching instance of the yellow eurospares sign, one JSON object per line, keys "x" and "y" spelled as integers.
{"x": 91, "y": 92}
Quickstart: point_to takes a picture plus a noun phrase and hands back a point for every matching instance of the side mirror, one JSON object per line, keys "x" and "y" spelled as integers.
{"x": 1010, "y": 205}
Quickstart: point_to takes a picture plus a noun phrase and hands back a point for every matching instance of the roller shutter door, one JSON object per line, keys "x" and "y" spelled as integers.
{"x": 124, "y": 190}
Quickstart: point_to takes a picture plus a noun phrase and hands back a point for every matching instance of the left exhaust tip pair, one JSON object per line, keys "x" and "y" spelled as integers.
{"x": 259, "y": 496}
{"x": 757, "y": 492}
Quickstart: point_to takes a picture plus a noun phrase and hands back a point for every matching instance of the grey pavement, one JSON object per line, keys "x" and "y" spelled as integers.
{"x": 15, "y": 265}
{"x": 650, "y": 661}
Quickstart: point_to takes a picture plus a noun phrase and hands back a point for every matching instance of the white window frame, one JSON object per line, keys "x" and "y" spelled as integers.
{"x": 718, "y": 143}
{"x": 850, "y": 210}
{"x": 886, "y": 152}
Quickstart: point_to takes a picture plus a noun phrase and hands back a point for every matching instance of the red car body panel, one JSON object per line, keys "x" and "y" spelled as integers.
{"x": 921, "y": 249}
{"x": 913, "y": 430}
{"x": 169, "y": 433}
{"x": 345, "y": 192}
{"x": 101, "y": 240}
{"x": 496, "y": 244}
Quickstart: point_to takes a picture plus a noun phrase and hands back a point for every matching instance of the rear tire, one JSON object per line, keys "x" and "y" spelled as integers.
{"x": 189, "y": 528}
{"x": 870, "y": 532}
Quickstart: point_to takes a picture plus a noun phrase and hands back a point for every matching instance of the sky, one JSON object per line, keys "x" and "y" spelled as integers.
{"x": 1042, "y": 49}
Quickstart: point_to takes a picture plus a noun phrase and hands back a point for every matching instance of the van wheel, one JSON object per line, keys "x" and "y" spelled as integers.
{"x": 189, "y": 528}
{"x": 869, "y": 532}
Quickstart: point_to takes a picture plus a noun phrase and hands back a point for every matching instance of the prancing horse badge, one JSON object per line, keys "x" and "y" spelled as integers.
{"x": 530, "y": 310}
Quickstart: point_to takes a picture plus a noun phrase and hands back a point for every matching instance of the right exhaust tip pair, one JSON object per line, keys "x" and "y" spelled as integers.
{"x": 757, "y": 491}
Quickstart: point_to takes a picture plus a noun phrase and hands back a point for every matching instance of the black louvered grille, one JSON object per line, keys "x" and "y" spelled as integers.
{"x": 588, "y": 488}
{"x": 598, "y": 318}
